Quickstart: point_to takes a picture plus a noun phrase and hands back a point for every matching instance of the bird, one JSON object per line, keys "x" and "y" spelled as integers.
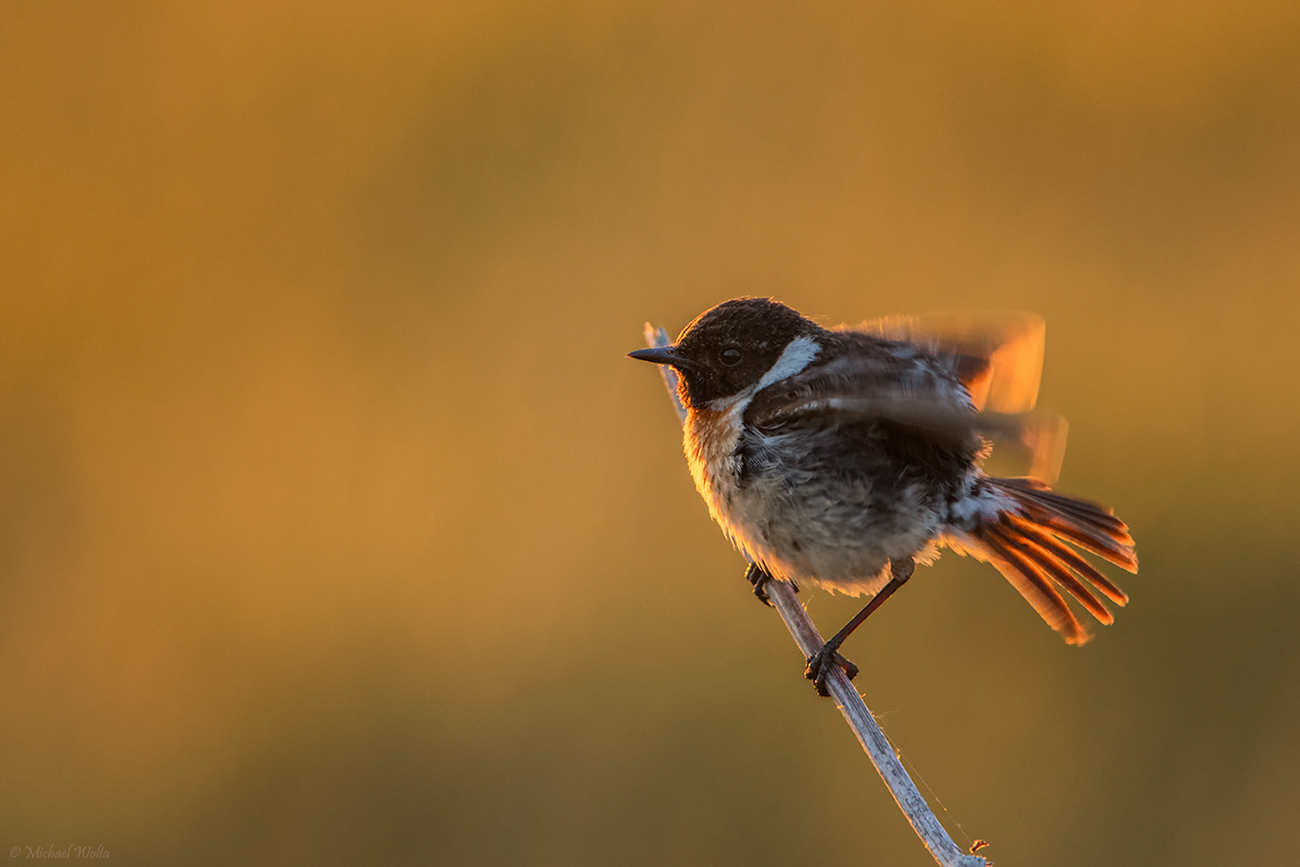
{"x": 842, "y": 457}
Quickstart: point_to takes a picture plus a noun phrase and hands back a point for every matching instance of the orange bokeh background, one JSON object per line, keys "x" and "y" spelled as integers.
{"x": 335, "y": 528}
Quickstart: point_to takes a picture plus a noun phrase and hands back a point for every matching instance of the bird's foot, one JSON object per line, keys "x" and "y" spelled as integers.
{"x": 822, "y": 663}
{"x": 759, "y": 577}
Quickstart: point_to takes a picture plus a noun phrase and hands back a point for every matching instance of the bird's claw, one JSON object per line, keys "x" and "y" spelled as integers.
{"x": 759, "y": 577}
{"x": 756, "y": 576}
{"x": 822, "y": 663}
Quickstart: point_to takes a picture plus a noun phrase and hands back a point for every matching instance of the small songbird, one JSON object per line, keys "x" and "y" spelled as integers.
{"x": 841, "y": 457}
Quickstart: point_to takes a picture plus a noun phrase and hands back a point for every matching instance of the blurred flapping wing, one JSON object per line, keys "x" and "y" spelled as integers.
{"x": 999, "y": 356}
{"x": 998, "y": 359}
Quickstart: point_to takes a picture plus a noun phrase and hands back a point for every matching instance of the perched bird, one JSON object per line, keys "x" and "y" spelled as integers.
{"x": 841, "y": 457}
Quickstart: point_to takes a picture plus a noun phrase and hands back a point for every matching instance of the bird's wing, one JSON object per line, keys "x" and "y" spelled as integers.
{"x": 998, "y": 357}
{"x": 873, "y": 385}
{"x": 915, "y": 391}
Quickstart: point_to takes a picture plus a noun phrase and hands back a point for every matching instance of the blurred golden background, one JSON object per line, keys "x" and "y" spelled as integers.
{"x": 336, "y": 529}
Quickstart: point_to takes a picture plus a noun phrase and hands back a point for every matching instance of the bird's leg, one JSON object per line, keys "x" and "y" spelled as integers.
{"x": 820, "y": 663}
{"x": 758, "y": 576}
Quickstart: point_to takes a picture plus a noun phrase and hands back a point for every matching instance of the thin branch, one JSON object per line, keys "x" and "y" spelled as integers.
{"x": 850, "y": 703}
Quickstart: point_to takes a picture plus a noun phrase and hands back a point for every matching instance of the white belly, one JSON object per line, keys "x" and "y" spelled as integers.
{"x": 795, "y": 533}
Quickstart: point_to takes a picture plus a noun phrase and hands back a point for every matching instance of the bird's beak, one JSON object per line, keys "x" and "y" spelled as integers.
{"x": 658, "y": 355}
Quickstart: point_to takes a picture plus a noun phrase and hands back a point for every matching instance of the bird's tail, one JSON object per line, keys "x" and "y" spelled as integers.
{"x": 1027, "y": 541}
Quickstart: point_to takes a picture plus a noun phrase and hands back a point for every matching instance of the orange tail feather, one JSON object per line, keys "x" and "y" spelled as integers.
{"x": 1027, "y": 545}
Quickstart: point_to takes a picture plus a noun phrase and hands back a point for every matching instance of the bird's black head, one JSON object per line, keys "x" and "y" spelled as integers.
{"x": 730, "y": 348}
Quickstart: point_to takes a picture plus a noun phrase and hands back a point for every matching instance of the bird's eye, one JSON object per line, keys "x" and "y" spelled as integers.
{"x": 730, "y": 357}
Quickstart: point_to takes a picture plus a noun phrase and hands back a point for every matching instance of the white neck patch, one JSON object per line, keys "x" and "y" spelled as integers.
{"x": 797, "y": 355}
